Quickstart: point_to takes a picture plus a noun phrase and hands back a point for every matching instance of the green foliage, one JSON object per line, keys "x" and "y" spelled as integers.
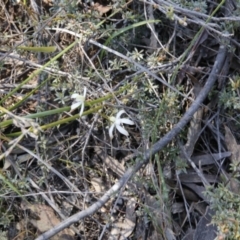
{"x": 226, "y": 205}
{"x": 70, "y": 7}
{"x": 162, "y": 115}
{"x": 230, "y": 95}
{"x": 9, "y": 185}
{"x": 199, "y": 6}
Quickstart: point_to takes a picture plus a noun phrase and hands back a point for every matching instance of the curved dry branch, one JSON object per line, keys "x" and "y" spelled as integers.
{"x": 221, "y": 57}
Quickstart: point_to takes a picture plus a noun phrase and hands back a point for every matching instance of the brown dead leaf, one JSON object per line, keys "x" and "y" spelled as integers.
{"x": 97, "y": 184}
{"x": 43, "y": 218}
{"x": 189, "y": 194}
{"x": 192, "y": 177}
{"x": 208, "y": 159}
{"x": 199, "y": 190}
{"x": 114, "y": 165}
{"x": 122, "y": 229}
{"x": 232, "y": 146}
{"x": 204, "y": 229}
{"x": 101, "y": 9}
{"x": 177, "y": 207}
{"x": 130, "y": 219}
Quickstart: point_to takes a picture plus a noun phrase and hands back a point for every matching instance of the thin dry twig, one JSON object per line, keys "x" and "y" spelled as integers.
{"x": 192, "y": 16}
{"x": 67, "y": 182}
{"x": 138, "y": 66}
{"x": 35, "y": 65}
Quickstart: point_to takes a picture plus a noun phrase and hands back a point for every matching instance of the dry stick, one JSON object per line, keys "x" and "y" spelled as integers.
{"x": 222, "y": 53}
{"x": 21, "y": 61}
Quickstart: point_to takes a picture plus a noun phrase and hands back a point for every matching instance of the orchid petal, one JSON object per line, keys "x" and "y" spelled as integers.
{"x": 126, "y": 121}
{"x": 118, "y": 123}
{"x": 110, "y": 131}
{"x": 119, "y": 114}
{"x": 75, "y": 105}
{"x": 75, "y": 95}
{"x": 81, "y": 111}
{"x": 122, "y": 130}
{"x": 80, "y": 99}
{"x": 84, "y": 92}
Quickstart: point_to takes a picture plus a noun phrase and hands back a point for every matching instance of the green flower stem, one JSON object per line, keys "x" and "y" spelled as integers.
{"x": 59, "y": 122}
{"x": 65, "y": 120}
{"x": 122, "y": 30}
{"x": 5, "y": 111}
{"x": 10, "y": 185}
{"x": 106, "y": 117}
{"x": 60, "y": 110}
{"x": 36, "y": 115}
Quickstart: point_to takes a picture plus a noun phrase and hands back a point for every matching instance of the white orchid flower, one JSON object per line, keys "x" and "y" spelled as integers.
{"x": 118, "y": 123}
{"x": 79, "y": 101}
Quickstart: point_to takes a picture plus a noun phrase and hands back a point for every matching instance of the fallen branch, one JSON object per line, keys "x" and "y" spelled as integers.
{"x": 222, "y": 53}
